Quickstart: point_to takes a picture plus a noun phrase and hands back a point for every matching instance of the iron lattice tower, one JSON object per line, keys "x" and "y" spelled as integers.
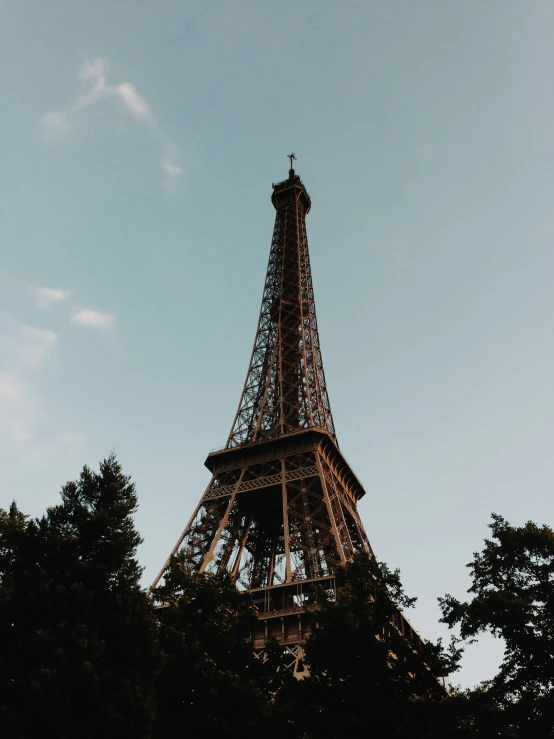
{"x": 280, "y": 512}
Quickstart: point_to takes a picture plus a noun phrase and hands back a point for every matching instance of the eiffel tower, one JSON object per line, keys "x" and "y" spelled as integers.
{"x": 280, "y": 511}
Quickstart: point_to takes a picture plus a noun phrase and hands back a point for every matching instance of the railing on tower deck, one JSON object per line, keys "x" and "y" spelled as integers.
{"x": 289, "y": 622}
{"x": 304, "y": 596}
{"x": 295, "y": 179}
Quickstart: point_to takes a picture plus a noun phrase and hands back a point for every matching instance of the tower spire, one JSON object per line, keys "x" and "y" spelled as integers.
{"x": 285, "y": 389}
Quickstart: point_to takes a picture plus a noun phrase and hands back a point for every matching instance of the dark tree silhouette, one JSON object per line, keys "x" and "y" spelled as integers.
{"x": 78, "y": 631}
{"x": 210, "y": 683}
{"x": 365, "y": 676}
{"x": 513, "y": 599}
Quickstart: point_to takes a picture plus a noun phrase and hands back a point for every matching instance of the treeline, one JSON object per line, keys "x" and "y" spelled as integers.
{"x": 85, "y": 654}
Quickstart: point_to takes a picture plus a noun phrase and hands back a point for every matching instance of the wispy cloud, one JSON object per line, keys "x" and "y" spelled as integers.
{"x": 94, "y": 71}
{"x": 134, "y": 103}
{"x": 36, "y": 343}
{"x": 93, "y": 319}
{"x": 23, "y": 350}
{"x": 56, "y": 121}
{"x": 173, "y": 170}
{"x": 20, "y": 408}
{"x": 28, "y": 446}
{"x": 94, "y": 75}
{"x": 23, "y": 347}
{"x": 45, "y": 297}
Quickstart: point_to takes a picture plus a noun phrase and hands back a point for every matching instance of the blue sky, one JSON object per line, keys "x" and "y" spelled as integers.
{"x": 139, "y": 143}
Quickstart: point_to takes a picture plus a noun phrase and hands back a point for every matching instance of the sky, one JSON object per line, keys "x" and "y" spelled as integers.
{"x": 139, "y": 143}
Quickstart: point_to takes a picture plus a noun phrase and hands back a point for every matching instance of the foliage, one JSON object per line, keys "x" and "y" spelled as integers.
{"x": 513, "y": 598}
{"x": 209, "y": 681}
{"x": 80, "y": 634}
{"x": 14, "y": 539}
{"x": 83, "y": 646}
{"x": 363, "y": 671}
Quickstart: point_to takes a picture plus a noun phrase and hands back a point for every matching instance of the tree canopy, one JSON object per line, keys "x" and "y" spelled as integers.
{"x": 207, "y": 679}
{"x": 364, "y": 672}
{"x": 79, "y": 643}
{"x": 84, "y": 652}
{"x": 513, "y": 599}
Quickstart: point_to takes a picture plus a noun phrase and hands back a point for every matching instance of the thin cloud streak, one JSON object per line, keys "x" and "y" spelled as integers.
{"x": 93, "y": 319}
{"x": 36, "y": 344}
{"x": 56, "y": 121}
{"x": 22, "y": 347}
{"x": 28, "y": 447}
{"x": 173, "y": 170}
{"x": 134, "y": 103}
{"x": 94, "y": 73}
{"x": 23, "y": 350}
{"x": 45, "y": 297}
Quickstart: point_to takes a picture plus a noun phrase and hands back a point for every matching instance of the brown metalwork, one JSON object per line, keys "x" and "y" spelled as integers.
{"x": 285, "y": 388}
{"x": 280, "y": 512}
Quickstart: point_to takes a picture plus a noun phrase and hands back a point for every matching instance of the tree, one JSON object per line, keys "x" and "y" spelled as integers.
{"x": 365, "y": 675}
{"x": 513, "y": 598}
{"x": 83, "y": 649}
{"x": 210, "y": 683}
{"x": 13, "y": 541}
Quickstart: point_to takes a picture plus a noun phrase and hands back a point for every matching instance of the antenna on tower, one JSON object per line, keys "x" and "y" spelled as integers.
{"x": 292, "y": 158}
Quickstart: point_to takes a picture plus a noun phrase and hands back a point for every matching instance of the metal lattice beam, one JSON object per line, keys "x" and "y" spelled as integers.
{"x": 285, "y": 388}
